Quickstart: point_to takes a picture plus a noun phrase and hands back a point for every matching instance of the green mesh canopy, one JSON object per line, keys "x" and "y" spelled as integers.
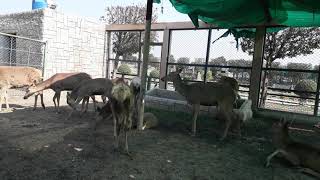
{"x": 250, "y": 13}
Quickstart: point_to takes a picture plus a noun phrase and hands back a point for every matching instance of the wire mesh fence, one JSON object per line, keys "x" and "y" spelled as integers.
{"x": 21, "y": 51}
{"x": 204, "y": 57}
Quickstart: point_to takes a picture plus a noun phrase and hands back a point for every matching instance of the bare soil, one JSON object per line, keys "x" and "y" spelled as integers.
{"x": 42, "y": 145}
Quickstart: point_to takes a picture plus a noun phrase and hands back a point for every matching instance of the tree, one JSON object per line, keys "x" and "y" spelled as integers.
{"x": 155, "y": 73}
{"x": 124, "y": 69}
{"x": 198, "y": 61}
{"x": 296, "y": 76}
{"x": 153, "y": 61}
{"x": 171, "y": 59}
{"x": 238, "y": 73}
{"x": 290, "y": 42}
{"x": 305, "y": 85}
{"x": 221, "y": 61}
{"x": 183, "y": 60}
{"x": 125, "y": 43}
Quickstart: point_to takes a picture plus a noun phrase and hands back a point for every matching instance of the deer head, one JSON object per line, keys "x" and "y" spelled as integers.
{"x": 70, "y": 99}
{"x": 280, "y": 132}
{"x": 30, "y": 91}
{"x": 172, "y": 76}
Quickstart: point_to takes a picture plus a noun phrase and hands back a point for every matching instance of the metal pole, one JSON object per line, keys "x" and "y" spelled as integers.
{"x": 10, "y": 58}
{"x": 44, "y": 58}
{"x": 145, "y": 63}
{"x": 164, "y": 57}
{"x": 257, "y": 63}
{"x": 139, "y": 56}
{"x": 207, "y": 56}
{"x": 108, "y": 55}
{"x": 316, "y": 103}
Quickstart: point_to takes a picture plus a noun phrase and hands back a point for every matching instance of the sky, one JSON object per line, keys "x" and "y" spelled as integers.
{"x": 184, "y": 43}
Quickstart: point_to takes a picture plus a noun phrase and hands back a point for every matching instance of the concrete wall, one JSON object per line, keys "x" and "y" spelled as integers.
{"x": 74, "y": 44}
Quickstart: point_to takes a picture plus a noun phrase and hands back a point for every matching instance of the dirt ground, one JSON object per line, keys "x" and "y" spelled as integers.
{"x": 43, "y": 145}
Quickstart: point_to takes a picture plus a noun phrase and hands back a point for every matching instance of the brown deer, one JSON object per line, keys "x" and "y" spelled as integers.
{"x": 122, "y": 110}
{"x": 88, "y": 88}
{"x": 297, "y": 153}
{"x": 18, "y": 77}
{"x": 207, "y": 94}
{"x": 60, "y": 82}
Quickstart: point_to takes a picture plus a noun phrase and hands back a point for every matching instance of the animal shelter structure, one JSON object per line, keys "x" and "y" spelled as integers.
{"x": 55, "y": 42}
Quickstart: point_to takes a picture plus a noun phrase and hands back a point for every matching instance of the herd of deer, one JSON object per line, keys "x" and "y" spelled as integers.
{"x": 122, "y": 105}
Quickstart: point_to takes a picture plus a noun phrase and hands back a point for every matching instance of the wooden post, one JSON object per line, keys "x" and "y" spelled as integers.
{"x": 164, "y": 57}
{"x": 146, "y": 46}
{"x": 108, "y": 39}
{"x": 257, "y": 63}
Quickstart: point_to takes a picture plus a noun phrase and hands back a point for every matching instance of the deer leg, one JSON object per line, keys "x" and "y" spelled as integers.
{"x": 115, "y": 133}
{"x": 41, "y": 98}
{"x": 196, "y": 108}
{"x": 270, "y": 157}
{"x": 85, "y": 103}
{"x": 6, "y": 97}
{"x": 94, "y": 102}
{"x": 58, "y": 100}
{"x": 35, "y": 102}
{"x": 104, "y": 99}
{"x": 226, "y": 112}
{"x": 310, "y": 171}
{"x": 1, "y": 98}
{"x": 54, "y": 100}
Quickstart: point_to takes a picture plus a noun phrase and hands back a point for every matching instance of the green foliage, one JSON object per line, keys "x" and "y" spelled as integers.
{"x": 209, "y": 76}
{"x": 153, "y": 59}
{"x": 295, "y": 76}
{"x": 171, "y": 59}
{"x": 155, "y": 73}
{"x": 183, "y": 60}
{"x": 239, "y": 72}
{"x": 290, "y": 42}
{"x": 305, "y": 85}
{"x": 124, "y": 69}
{"x": 198, "y": 61}
{"x": 221, "y": 61}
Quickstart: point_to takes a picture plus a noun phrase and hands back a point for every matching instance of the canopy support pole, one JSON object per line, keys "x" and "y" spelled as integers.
{"x": 257, "y": 63}
{"x": 146, "y": 46}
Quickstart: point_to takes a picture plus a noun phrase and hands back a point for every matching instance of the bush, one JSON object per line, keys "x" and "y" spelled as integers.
{"x": 124, "y": 69}
{"x": 155, "y": 73}
{"x": 305, "y": 85}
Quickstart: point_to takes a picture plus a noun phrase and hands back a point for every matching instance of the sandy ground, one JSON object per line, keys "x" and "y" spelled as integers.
{"x": 43, "y": 145}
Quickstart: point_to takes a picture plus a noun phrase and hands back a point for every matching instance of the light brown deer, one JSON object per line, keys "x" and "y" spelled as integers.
{"x": 20, "y": 76}
{"x": 297, "y": 153}
{"x": 207, "y": 94}
{"x": 122, "y": 110}
{"x": 61, "y": 82}
{"x": 88, "y": 88}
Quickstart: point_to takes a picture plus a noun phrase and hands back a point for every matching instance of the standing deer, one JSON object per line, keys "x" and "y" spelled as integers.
{"x": 61, "y": 82}
{"x": 121, "y": 108}
{"x": 297, "y": 153}
{"x": 19, "y": 76}
{"x": 206, "y": 94}
{"x": 90, "y": 87}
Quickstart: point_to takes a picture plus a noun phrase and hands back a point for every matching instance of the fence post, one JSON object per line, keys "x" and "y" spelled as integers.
{"x": 316, "y": 102}
{"x": 257, "y": 63}
{"x": 108, "y": 54}
{"x": 10, "y": 58}
{"x": 164, "y": 57}
{"x": 28, "y": 59}
{"x": 207, "y": 56}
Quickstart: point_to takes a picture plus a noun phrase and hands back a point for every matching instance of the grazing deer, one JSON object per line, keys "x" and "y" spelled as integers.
{"x": 88, "y": 88}
{"x": 20, "y": 76}
{"x": 297, "y": 153}
{"x": 207, "y": 94}
{"x": 60, "y": 82}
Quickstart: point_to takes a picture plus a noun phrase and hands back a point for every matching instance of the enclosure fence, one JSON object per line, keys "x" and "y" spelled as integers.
{"x": 173, "y": 47}
{"x": 21, "y": 51}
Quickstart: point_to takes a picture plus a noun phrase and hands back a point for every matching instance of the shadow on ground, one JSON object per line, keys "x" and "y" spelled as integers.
{"x": 41, "y": 144}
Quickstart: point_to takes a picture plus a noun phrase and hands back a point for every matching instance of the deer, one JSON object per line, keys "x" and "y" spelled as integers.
{"x": 61, "y": 82}
{"x": 88, "y": 88}
{"x": 18, "y": 77}
{"x": 302, "y": 155}
{"x": 207, "y": 94}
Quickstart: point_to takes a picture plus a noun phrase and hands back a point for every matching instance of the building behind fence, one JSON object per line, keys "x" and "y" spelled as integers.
{"x": 71, "y": 43}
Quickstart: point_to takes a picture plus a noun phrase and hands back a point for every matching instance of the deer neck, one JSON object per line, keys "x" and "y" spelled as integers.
{"x": 180, "y": 86}
{"x": 42, "y": 86}
{"x": 282, "y": 139}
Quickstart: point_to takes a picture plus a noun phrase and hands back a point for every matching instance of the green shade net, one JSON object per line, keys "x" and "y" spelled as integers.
{"x": 244, "y": 13}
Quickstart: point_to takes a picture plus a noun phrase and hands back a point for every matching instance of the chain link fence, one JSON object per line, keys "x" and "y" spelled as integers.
{"x": 21, "y": 51}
